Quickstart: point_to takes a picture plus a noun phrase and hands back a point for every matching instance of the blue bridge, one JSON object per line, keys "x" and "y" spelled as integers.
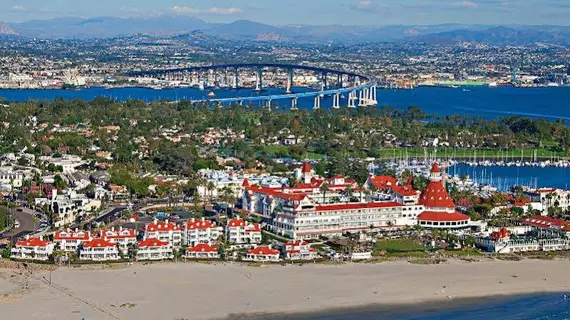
{"x": 355, "y": 89}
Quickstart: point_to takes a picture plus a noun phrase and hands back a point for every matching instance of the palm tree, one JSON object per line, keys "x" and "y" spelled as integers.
{"x": 324, "y": 188}
{"x": 210, "y": 186}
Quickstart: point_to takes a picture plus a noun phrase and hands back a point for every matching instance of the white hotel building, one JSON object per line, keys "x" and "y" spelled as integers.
{"x": 307, "y": 212}
{"x": 69, "y": 240}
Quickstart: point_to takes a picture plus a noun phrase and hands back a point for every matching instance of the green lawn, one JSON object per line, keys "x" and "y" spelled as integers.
{"x": 398, "y": 246}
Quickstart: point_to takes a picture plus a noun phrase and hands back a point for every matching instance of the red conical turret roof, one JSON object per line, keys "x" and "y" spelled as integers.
{"x": 245, "y": 183}
{"x": 435, "y": 195}
{"x": 306, "y": 168}
{"x": 435, "y": 168}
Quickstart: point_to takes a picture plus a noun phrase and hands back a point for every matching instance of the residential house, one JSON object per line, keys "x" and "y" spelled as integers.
{"x": 99, "y": 250}
{"x": 32, "y": 249}
{"x": 262, "y": 254}
{"x": 240, "y": 231}
{"x": 70, "y": 240}
{"x": 164, "y": 231}
{"x": 201, "y": 231}
{"x": 153, "y": 249}
{"x": 299, "y": 250}
{"x": 203, "y": 251}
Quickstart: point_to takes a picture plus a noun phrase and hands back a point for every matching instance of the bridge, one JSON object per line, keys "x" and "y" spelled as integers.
{"x": 357, "y": 88}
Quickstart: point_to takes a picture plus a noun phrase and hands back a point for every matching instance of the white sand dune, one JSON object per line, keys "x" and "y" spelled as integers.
{"x": 199, "y": 291}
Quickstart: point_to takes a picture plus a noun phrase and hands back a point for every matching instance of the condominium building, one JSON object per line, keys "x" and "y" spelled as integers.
{"x": 164, "y": 231}
{"x": 32, "y": 249}
{"x": 153, "y": 249}
{"x": 201, "y": 231}
{"x": 240, "y": 231}
{"x": 70, "y": 240}
{"x": 99, "y": 250}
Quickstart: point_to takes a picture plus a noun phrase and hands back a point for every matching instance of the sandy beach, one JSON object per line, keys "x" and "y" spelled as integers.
{"x": 211, "y": 291}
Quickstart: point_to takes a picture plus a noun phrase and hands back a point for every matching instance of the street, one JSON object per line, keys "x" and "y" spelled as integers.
{"x": 28, "y": 223}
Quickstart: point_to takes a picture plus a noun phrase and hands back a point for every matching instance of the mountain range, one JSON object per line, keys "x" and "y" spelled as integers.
{"x": 164, "y": 25}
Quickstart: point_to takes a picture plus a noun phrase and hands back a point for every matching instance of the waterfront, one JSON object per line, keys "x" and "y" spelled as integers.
{"x": 547, "y": 103}
{"x": 504, "y": 177}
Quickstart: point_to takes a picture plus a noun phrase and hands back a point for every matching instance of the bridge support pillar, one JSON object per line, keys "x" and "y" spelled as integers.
{"x": 374, "y": 93}
{"x": 352, "y": 99}
{"x": 361, "y": 98}
{"x": 290, "y": 81}
{"x": 317, "y": 104}
{"x": 294, "y": 103}
{"x": 259, "y": 81}
{"x": 236, "y": 78}
{"x": 336, "y": 101}
{"x": 324, "y": 81}
{"x": 268, "y": 104}
{"x": 339, "y": 80}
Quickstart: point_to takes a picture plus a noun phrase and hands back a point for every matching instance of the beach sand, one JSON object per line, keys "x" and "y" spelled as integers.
{"x": 211, "y": 291}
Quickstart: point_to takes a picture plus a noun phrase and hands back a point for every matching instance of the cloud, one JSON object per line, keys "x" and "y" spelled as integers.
{"x": 367, "y": 6}
{"x": 215, "y": 10}
{"x": 185, "y": 10}
{"x": 18, "y": 8}
{"x": 225, "y": 10}
{"x": 464, "y": 4}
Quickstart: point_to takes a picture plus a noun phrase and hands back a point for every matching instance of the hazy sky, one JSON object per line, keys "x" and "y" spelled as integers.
{"x": 280, "y": 12}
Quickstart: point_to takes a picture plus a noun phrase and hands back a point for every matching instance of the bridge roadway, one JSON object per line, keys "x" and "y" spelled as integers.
{"x": 290, "y": 96}
{"x": 247, "y": 66}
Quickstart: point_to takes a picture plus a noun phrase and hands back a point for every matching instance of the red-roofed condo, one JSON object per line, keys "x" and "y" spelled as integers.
{"x": 122, "y": 237}
{"x": 153, "y": 249}
{"x": 69, "y": 240}
{"x": 299, "y": 250}
{"x": 262, "y": 254}
{"x": 201, "y": 231}
{"x": 240, "y": 231}
{"x": 32, "y": 249}
{"x": 202, "y": 251}
{"x": 440, "y": 210}
{"x": 164, "y": 231}
{"x": 99, "y": 250}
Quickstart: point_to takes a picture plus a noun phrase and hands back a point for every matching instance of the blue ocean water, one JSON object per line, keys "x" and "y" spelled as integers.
{"x": 505, "y": 177}
{"x": 533, "y": 307}
{"x": 549, "y": 103}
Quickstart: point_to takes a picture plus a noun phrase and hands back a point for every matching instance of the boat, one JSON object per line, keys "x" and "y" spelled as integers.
{"x": 466, "y": 90}
{"x": 552, "y": 84}
{"x": 493, "y": 84}
{"x": 211, "y": 94}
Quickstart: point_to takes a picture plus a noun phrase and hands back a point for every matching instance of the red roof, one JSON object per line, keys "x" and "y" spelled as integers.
{"x": 72, "y": 235}
{"x": 442, "y": 216}
{"x": 435, "y": 196}
{"x": 200, "y": 224}
{"x": 98, "y": 243}
{"x": 501, "y": 234}
{"x": 355, "y": 206}
{"x": 162, "y": 226}
{"x": 120, "y": 233}
{"x": 547, "y": 222}
{"x": 306, "y": 167}
{"x": 262, "y": 250}
{"x": 245, "y": 183}
{"x": 296, "y": 243}
{"x": 239, "y": 222}
{"x": 151, "y": 242}
{"x": 383, "y": 182}
{"x": 202, "y": 247}
{"x": 405, "y": 191}
{"x": 32, "y": 242}
{"x": 435, "y": 168}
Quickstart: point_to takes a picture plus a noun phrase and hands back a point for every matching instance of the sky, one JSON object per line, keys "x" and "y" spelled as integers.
{"x": 313, "y": 12}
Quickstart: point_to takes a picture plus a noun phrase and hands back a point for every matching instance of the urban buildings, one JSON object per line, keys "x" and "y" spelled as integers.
{"x": 198, "y": 231}
{"x": 99, "y": 250}
{"x": 203, "y": 251}
{"x": 70, "y": 240}
{"x": 165, "y": 231}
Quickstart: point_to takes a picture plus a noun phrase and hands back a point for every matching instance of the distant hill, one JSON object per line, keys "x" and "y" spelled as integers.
{"x": 105, "y": 27}
{"x": 502, "y": 36}
{"x": 166, "y": 25}
{"x": 6, "y": 30}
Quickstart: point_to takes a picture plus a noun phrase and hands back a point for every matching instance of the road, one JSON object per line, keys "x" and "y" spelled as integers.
{"x": 112, "y": 213}
{"x": 27, "y": 223}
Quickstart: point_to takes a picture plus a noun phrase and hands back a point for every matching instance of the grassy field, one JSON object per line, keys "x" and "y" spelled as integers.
{"x": 399, "y": 248}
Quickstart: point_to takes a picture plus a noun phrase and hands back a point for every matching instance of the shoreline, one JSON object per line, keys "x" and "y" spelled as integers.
{"x": 217, "y": 291}
{"x": 388, "y": 311}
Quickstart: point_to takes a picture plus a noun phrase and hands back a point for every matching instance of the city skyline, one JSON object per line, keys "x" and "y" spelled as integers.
{"x": 317, "y": 12}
